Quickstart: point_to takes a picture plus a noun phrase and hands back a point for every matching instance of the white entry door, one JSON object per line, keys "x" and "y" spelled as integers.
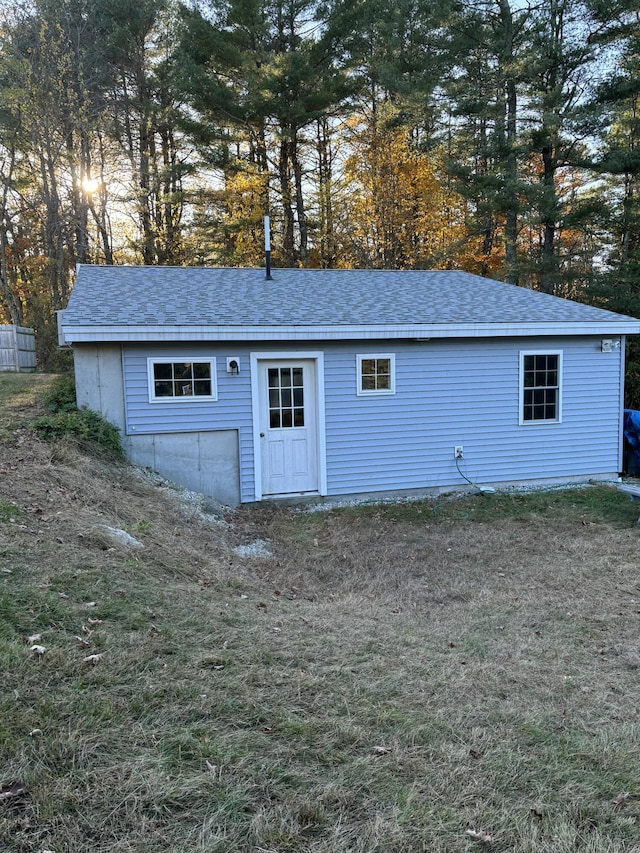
{"x": 288, "y": 426}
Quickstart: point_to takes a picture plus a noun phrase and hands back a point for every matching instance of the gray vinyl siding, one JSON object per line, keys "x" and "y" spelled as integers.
{"x": 448, "y": 392}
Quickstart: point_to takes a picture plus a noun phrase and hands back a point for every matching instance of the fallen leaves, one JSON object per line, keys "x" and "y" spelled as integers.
{"x": 83, "y": 641}
{"x": 291, "y": 593}
{"x": 11, "y": 790}
{"x": 480, "y": 835}
{"x": 620, "y": 800}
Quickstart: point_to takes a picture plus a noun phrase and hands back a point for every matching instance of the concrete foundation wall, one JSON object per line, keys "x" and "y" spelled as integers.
{"x": 205, "y": 462}
{"x": 99, "y": 382}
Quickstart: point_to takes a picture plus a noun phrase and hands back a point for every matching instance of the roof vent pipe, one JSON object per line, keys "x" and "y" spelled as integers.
{"x": 267, "y": 248}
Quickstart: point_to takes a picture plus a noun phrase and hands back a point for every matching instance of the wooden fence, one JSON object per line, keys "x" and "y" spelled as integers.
{"x": 17, "y": 349}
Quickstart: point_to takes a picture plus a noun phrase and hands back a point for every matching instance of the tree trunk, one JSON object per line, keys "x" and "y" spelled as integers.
{"x": 6, "y": 292}
{"x": 548, "y": 266}
{"x": 511, "y": 109}
{"x": 300, "y": 208}
{"x": 327, "y": 237}
{"x": 288, "y": 244}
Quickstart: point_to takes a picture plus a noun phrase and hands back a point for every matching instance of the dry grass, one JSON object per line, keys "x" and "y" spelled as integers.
{"x": 391, "y": 678}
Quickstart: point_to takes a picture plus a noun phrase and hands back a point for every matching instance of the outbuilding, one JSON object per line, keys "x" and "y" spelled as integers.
{"x": 347, "y": 382}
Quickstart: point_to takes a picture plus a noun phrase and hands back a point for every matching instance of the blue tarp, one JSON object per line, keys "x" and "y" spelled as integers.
{"x": 631, "y": 444}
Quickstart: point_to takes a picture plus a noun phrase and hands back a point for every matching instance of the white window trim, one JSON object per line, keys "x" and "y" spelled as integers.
{"x": 382, "y": 392}
{"x": 558, "y": 419}
{"x": 176, "y": 359}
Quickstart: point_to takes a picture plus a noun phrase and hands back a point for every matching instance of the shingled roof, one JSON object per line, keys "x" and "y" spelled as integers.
{"x": 191, "y": 303}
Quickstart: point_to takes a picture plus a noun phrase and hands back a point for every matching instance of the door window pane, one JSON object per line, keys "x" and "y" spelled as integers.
{"x": 286, "y": 397}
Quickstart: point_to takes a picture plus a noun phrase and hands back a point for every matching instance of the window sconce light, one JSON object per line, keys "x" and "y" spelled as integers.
{"x": 233, "y": 365}
{"x": 609, "y": 344}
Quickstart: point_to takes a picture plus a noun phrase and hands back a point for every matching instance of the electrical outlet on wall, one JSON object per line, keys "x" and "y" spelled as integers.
{"x": 458, "y": 452}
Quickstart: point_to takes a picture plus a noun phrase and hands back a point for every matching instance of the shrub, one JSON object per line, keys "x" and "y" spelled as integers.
{"x": 61, "y": 396}
{"x": 66, "y": 419}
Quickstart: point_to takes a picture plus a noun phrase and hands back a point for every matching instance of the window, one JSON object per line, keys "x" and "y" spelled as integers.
{"x": 540, "y": 386}
{"x": 286, "y": 397}
{"x": 180, "y": 380}
{"x": 376, "y": 374}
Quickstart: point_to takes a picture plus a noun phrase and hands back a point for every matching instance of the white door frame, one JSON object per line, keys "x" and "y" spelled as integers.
{"x": 288, "y": 355}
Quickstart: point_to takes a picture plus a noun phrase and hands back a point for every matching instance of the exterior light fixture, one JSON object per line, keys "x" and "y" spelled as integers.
{"x": 609, "y": 344}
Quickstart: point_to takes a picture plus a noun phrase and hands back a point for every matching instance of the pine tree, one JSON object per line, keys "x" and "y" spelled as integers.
{"x": 262, "y": 75}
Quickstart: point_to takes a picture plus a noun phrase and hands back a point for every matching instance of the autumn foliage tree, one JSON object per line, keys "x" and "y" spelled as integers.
{"x": 396, "y": 211}
{"x": 486, "y": 136}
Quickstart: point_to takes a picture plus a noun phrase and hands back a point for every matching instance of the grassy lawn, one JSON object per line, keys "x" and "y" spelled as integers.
{"x": 451, "y": 675}
{"x": 19, "y": 394}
